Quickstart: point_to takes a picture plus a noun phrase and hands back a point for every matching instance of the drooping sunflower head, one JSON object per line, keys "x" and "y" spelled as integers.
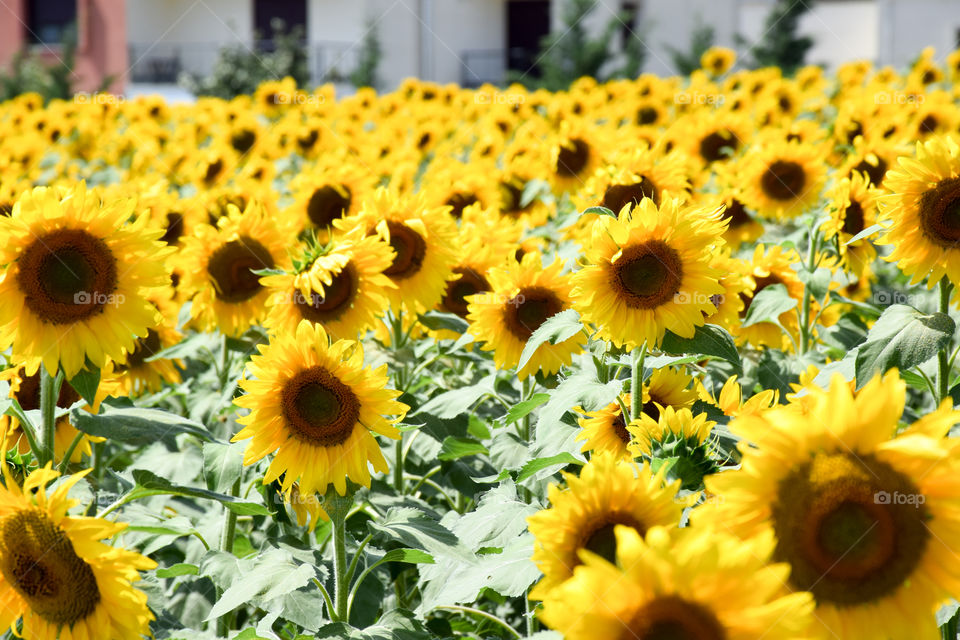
{"x": 605, "y": 430}
{"x": 782, "y": 180}
{"x": 856, "y": 508}
{"x": 609, "y": 492}
{"x": 523, "y": 296}
{"x": 57, "y": 575}
{"x": 317, "y": 408}
{"x": 74, "y": 271}
{"x": 219, "y": 265}
{"x": 648, "y": 272}
{"x": 678, "y": 584}
{"x": 924, "y": 211}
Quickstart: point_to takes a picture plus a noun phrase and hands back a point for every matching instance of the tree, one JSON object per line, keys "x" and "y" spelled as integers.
{"x": 365, "y": 73}
{"x": 780, "y": 45}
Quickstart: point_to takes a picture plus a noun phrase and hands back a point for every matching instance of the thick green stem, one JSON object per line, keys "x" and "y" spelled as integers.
{"x": 225, "y": 622}
{"x": 636, "y": 382}
{"x": 49, "y": 391}
{"x": 805, "y": 329}
{"x": 337, "y": 507}
{"x": 224, "y": 363}
{"x": 943, "y": 357}
{"x": 398, "y": 465}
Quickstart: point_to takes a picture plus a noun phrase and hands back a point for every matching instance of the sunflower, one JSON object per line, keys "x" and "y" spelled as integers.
{"x": 671, "y": 425}
{"x": 924, "y": 212}
{"x": 56, "y": 576}
{"x": 865, "y": 516}
{"x": 770, "y": 266}
{"x": 731, "y": 401}
{"x": 72, "y": 279}
{"x": 730, "y": 303}
{"x": 135, "y": 372}
{"x": 648, "y": 272}
{"x": 783, "y": 179}
{"x": 605, "y": 430}
{"x": 327, "y": 194}
{"x": 423, "y": 240}
{"x": 717, "y": 60}
{"x": 317, "y": 407}
{"x": 219, "y": 264}
{"x": 678, "y": 583}
{"x": 523, "y": 296}
{"x": 341, "y": 287}
{"x": 742, "y": 228}
{"x": 583, "y": 515}
{"x": 853, "y": 208}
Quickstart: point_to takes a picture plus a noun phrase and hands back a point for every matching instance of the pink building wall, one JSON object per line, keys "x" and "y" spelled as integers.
{"x": 101, "y": 43}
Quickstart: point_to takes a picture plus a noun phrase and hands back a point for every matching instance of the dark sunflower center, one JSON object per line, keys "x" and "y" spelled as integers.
{"x": 526, "y": 311}
{"x": 852, "y": 528}
{"x": 573, "y": 158}
{"x": 853, "y": 218}
{"x": 929, "y": 124}
{"x": 670, "y": 617}
{"x": 718, "y": 145}
{"x": 174, "y": 228}
{"x": 336, "y": 299}
{"x": 38, "y": 560}
{"x": 306, "y": 142}
{"x": 28, "y": 393}
{"x": 647, "y": 115}
{"x": 783, "y": 180}
{"x": 620, "y": 428}
{"x": 214, "y": 169}
{"x": 143, "y": 349}
{"x": 231, "y": 269}
{"x": 737, "y": 214}
{"x": 242, "y": 141}
{"x": 648, "y": 275}
{"x": 651, "y": 409}
{"x": 328, "y": 204}
{"x": 460, "y": 201}
{"x": 6, "y": 209}
{"x": 874, "y": 172}
{"x": 410, "y": 248}
{"x": 600, "y": 539}
{"x": 469, "y": 283}
{"x": 619, "y": 195}
{"x": 67, "y": 276}
{"x": 940, "y": 213}
{"x": 319, "y": 409}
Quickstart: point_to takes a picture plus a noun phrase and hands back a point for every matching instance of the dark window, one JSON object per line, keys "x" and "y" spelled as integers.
{"x": 528, "y": 22}
{"x": 293, "y": 13}
{"x": 49, "y": 20}
{"x": 628, "y": 13}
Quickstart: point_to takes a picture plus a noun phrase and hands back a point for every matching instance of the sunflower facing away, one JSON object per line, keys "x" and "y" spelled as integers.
{"x": 924, "y": 211}
{"x": 582, "y": 515}
{"x": 72, "y": 279}
{"x": 317, "y": 407}
{"x": 57, "y": 576}
{"x": 865, "y": 516}
{"x": 678, "y": 584}
{"x": 648, "y": 272}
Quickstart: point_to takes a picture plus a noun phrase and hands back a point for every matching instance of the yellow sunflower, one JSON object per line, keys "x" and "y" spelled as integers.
{"x": 343, "y": 289}
{"x": 583, "y": 515}
{"x": 605, "y": 430}
{"x": 523, "y": 295}
{"x": 678, "y": 583}
{"x": 317, "y": 407}
{"x": 853, "y": 208}
{"x": 219, "y": 264}
{"x": 670, "y": 425}
{"x": 924, "y": 212}
{"x": 135, "y": 373}
{"x": 717, "y": 60}
{"x": 648, "y": 272}
{"x": 864, "y": 515}
{"x": 781, "y": 180}
{"x": 770, "y": 266}
{"x": 72, "y": 281}
{"x": 732, "y": 404}
{"x": 56, "y": 576}
{"x": 423, "y": 240}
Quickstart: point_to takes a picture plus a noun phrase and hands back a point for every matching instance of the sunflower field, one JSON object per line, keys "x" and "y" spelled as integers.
{"x": 653, "y": 359}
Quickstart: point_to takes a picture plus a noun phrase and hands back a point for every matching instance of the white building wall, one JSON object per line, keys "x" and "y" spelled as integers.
{"x": 464, "y": 25}
{"x": 187, "y": 21}
{"x": 916, "y": 24}
{"x": 669, "y": 23}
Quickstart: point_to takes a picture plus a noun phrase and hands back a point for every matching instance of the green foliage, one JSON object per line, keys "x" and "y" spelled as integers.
{"x": 371, "y": 53}
{"x": 780, "y": 45}
{"x": 240, "y": 70}
{"x": 701, "y": 39}
{"x": 28, "y": 73}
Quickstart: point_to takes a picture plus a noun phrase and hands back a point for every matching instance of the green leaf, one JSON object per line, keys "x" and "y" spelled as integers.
{"x": 85, "y": 383}
{"x": 416, "y": 528}
{"x": 554, "y": 330}
{"x": 869, "y": 231}
{"x": 903, "y": 337}
{"x": 538, "y": 464}
{"x": 136, "y": 426}
{"x": 456, "y": 448}
{"x": 767, "y": 305}
{"x": 600, "y": 211}
{"x": 524, "y": 408}
{"x": 189, "y": 346}
{"x": 179, "y": 569}
{"x": 150, "y": 484}
{"x": 708, "y": 340}
{"x": 410, "y": 556}
{"x": 222, "y": 464}
{"x": 451, "y": 404}
{"x": 436, "y": 320}
{"x": 818, "y": 281}
{"x": 267, "y": 577}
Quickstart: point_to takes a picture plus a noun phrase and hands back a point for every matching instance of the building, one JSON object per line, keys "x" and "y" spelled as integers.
{"x": 463, "y": 41}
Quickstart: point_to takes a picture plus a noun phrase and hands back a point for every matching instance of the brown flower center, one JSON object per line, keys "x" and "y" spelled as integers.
{"x": 670, "y": 617}
{"x": 231, "y": 269}
{"x": 460, "y": 201}
{"x": 337, "y": 298}
{"x": 411, "y": 249}
{"x": 874, "y": 172}
{"x": 174, "y": 228}
{"x": 783, "y": 180}
{"x": 648, "y": 275}
{"x": 526, "y": 311}
{"x": 940, "y": 213}
{"x": 573, "y": 158}
{"x": 853, "y": 218}
{"x": 328, "y": 204}
{"x": 469, "y": 283}
{"x": 619, "y": 195}
{"x": 718, "y": 145}
{"x": 737, "y": 214}
{"x": 67, "y": 276}
{"x": 318, "y": 408}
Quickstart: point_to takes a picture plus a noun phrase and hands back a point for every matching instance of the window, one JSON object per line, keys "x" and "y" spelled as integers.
{"x": 48, "y": 21}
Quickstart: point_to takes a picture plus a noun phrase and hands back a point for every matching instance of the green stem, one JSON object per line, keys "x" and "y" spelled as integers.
{"x": 398, "y": 465}
{"x": 805, "y": 330}
{"x": 482, "y": 614}
{"x": 224, "y": 363}
{"x": 949, "y": 629}
{"x": 636, "y": 382}
{"x": 73, "y": 446}
{"x": 943, "y": 357}
{"x": 532, "y": 622}
{"x": 49, "y": 391}
{"x": 337, "y": 507}
{"x": 230, "y": 522}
